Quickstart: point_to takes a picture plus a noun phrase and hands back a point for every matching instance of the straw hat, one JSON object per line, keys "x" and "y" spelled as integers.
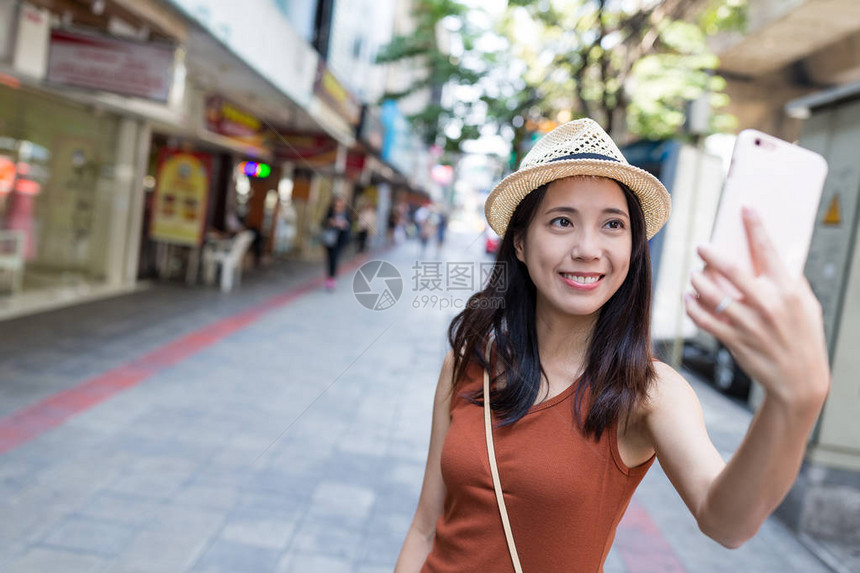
{"x": 579, "y": 147}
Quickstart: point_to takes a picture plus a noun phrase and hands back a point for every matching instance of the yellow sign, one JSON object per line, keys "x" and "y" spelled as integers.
{"x": 179, "y": 209}
{"x": 834, "y": 212}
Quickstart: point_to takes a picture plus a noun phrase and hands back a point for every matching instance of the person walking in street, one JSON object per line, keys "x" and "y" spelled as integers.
{"x": 335, "y": 235}
{"x": 441, "y": 229}
{"x": 550, "y": 408}
{"x": 366, "y": 225}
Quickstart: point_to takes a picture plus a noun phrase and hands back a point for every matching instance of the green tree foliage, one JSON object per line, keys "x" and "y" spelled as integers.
{"x": 632, "y": 65}
{"x": 420, "y": 50}
{"x": 631, "y": 69}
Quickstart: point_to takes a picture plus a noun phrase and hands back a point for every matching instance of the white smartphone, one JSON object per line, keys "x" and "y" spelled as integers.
{"x": 783, "y": 183}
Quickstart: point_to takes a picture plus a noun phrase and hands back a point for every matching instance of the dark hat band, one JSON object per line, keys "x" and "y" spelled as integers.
{"x": 585, "y": 156}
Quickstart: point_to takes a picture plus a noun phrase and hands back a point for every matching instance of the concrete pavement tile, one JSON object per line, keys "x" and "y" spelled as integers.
{"x": 384, "y": 535}
{"x": 11, "y": 549}
{"x": 162, "y": 551}
{"x": 130, "y": 510}
{"x": 42, "y": 560}
{"x": 310, "y": 563}
{"x": 238, "y": 457}
{"x": 207, "y": 496}
{"x": 327, "y": 538}
{"x": 409, "y": 451}
{"x": 368, "y": 445}
{"x": 372, "y": 569}
{"x": 90, "y": 536}
{"x": 155, "y": 443}
{"x": 34, "y": 510}
{"x": 291, "y": 508}
{"x": 406, "y": 474}
{"x": 150, "y": 482}
{"x": 277, "y": 483}
{"x": 357, "y": 469}
{"x": 229, "y": 557}
{"x": 397, "y": 499}
{"x": 187, "y": 521}
{"x": 269, "y": 530}
{"x": 341, "y": 502}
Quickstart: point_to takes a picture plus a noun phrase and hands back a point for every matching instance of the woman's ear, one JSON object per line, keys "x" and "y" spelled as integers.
{"x": 518, "y": 247}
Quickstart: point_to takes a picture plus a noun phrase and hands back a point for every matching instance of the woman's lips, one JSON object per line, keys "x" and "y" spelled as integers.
{"x": 582, "y": 286}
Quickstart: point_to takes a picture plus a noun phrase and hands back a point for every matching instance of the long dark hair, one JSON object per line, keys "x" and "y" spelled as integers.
{"x": 618, "y": 369}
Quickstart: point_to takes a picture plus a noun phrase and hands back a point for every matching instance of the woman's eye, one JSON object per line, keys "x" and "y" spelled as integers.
{"x": 615, "y": 224}
{"x": 561, "y": 222}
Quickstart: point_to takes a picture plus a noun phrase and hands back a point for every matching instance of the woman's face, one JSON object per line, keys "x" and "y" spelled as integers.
{"x": 339, "y": 205}
{"x": 577, "y": 247}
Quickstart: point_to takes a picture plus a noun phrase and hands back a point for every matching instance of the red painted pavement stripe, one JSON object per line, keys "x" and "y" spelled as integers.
{"x": 31, "y": 422}
{"x": 642, "y": 547}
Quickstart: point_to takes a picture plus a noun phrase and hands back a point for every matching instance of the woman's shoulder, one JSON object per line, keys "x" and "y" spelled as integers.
{"x": 669, "y": 389}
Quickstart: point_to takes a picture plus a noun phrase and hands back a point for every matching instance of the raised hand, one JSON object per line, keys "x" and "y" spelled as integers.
{"x": 774, "y": 328}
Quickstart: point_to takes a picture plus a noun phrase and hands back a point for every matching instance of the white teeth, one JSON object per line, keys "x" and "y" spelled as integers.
{"x": 580, "y": 279}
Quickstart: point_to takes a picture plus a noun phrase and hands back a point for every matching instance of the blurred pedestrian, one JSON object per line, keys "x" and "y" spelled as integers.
{"x": 335, "y": 235}
{"x": 423, "y": 226}
{"x": 441, "y": 228}
{"x": 555, "y": 351}
{"x": 366, "y": 225}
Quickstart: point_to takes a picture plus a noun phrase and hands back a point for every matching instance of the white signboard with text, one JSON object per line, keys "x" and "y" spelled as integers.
{"x": 125, "y": 67}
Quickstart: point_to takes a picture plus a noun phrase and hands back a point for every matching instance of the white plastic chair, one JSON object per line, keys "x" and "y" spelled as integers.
{"x": 12, "y": 257}
{"x": 229, "y": 257}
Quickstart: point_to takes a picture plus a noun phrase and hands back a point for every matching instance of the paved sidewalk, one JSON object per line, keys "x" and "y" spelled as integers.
{"x": 266, "y": 432}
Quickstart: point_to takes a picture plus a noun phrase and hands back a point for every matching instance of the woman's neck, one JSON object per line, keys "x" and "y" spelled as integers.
{"x": 562, "y": 339}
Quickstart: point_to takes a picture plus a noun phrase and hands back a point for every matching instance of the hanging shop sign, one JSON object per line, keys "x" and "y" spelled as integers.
{"x": 331, "y": 92}
{"x": 138, "y": 69}
{"x": 181, "y": 197}
{"x": 230, "y": 120}
{"x": 306, "y": 149}
{"x": 355, "y": 162}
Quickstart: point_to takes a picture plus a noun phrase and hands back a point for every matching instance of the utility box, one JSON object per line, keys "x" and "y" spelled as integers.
{"x": 825, "y": 501}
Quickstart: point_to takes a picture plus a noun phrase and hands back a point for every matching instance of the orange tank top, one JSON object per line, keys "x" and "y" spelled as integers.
{"x": 565, "y": 493}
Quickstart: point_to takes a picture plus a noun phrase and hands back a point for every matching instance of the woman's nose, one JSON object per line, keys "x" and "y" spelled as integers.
{"x": 586, "y": 246}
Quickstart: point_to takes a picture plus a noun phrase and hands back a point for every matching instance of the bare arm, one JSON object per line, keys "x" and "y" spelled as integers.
{"x": 419, "y": 538}
{"x": 775, "y": 332}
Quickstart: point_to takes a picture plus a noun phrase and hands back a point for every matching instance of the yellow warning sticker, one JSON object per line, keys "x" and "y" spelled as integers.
{"x": 833, "y": 216}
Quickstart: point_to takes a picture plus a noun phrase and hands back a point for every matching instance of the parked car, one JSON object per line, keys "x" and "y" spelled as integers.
{"x": 491, "y": 244}
{"x": 705, "y": 355}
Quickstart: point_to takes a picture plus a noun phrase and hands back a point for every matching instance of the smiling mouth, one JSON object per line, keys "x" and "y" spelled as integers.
{"x": 582, "y": 279}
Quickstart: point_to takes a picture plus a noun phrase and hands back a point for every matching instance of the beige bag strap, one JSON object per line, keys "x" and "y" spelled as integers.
{"x": 488, "y": 425}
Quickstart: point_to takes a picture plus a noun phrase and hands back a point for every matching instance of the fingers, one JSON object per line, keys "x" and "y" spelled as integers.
{"x": 722, "y": 306}
{"x": 763, "y": 254}
{"x": 706, "y": 320}
{"x": 712, "y": 298}
{"x": 740, "y": 281}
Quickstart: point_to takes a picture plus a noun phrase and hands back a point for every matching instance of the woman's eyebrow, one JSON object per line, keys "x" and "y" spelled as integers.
{"x": 566, "y": 209}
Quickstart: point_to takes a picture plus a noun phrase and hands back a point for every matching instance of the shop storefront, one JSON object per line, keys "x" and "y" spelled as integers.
{"x": 59, "y": 164}
{"x": 74, "y": 135}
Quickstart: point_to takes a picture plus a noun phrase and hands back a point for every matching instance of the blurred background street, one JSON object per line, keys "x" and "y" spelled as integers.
{"x": 232, "y": 239}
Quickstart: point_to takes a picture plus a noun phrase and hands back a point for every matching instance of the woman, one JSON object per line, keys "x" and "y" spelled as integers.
{"x": 581, "y": 409}
{"x": 336, "y": 228}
